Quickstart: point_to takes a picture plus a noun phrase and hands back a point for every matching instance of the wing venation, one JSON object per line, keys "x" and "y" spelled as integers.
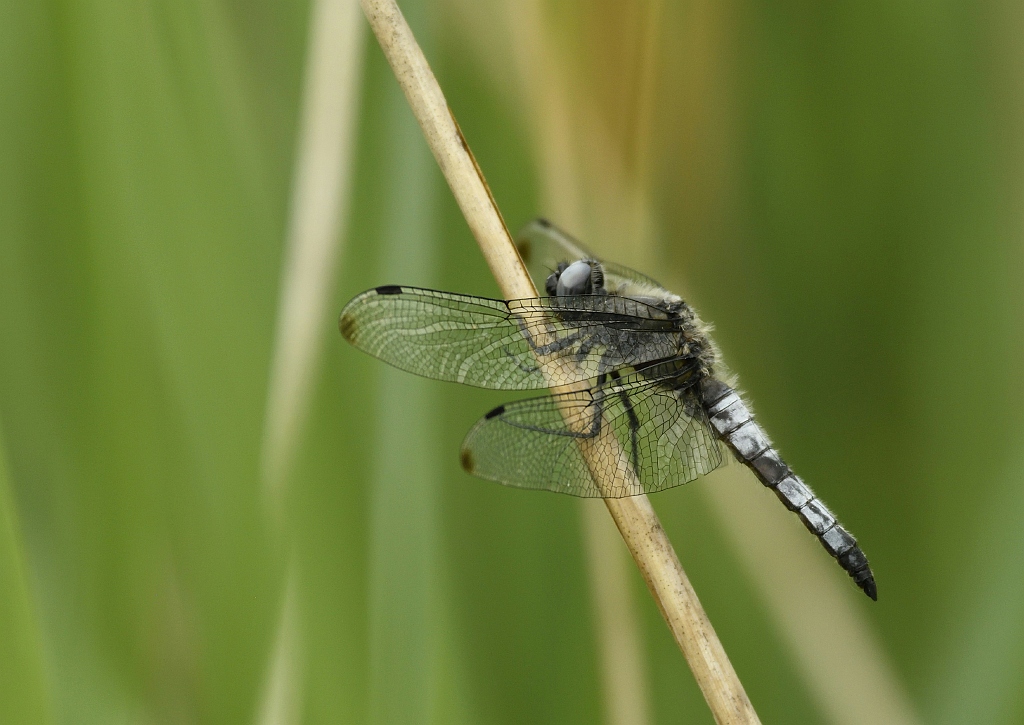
{"x": 496, "y": 344}
{"x": 663, "y": 435}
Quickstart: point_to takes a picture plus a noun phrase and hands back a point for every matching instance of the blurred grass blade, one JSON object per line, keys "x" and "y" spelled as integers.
{"x": 134, "y": 363}
{"x": 546, "y": 107}
{"x": 404, "y": 507}
{"x": 620, "y": 645}
{"x": 317, "y": 226}
{"x": 978, "y": 673}
{"x": 319, "y": 210}
{"x": 23, "y": 683}
{"x": 281, "y": 698}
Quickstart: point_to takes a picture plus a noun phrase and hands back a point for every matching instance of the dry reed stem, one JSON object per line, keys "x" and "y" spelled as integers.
{"x": 634, "y": 516}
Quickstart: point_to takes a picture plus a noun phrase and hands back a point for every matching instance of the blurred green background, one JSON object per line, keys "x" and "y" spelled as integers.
{"x": 839, "y": 188}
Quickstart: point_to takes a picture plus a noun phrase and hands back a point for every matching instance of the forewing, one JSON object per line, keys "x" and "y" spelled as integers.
{"x": 496, "y": 344}
{"x": 542, "y": 246}
{"x": 663, "y": 436}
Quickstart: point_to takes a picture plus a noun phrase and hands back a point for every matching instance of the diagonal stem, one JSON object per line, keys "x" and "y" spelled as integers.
{"x": 634, "y": 516}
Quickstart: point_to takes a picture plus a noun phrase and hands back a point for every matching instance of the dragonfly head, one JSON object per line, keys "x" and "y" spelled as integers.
{"x": 579, "y": 278}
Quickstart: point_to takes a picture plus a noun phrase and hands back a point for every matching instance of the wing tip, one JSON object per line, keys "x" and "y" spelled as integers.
{"x": 348, "y": 324}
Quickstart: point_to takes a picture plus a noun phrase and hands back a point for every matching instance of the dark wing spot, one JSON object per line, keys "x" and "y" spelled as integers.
{"x": 496, "y": 412}
{"x": 389, "y": 289}
{"x": 347, "y": 325}
{"x": 544, "y": 223}
{"x": 466, "y": 459}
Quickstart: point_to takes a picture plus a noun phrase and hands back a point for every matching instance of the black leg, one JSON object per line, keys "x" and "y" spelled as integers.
{"x": 634, "y": 426}
{"x": 585, "y": 347}
{"x": 553, "y": 347}
{"x": 525, "y": 368}
{"x": 597, "y": 400}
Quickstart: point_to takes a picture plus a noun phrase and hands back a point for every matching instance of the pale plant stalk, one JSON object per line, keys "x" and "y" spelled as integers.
{"x": 24, "y": 669}
{"x": 316, "y": 227}
{"x": 633, "y": 516}
{"x": 318, "y": 216}
{"x": 279, "y": 700}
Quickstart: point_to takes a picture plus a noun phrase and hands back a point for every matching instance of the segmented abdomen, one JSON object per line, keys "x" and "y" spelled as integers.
{"x": 737, "y": 428}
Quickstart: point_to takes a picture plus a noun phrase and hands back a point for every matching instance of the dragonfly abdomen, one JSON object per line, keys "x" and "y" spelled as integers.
{"x": 736, "y": 427}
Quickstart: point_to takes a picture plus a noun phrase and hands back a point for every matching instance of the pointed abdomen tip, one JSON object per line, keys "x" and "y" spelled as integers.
{"x": 870, "y": 589}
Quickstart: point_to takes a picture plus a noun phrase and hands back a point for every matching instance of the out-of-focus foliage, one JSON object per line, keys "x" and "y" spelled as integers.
{"x": 838, "y": 187}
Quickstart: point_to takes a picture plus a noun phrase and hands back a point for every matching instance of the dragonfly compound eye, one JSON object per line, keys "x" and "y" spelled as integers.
{"x": 575, "y": 280}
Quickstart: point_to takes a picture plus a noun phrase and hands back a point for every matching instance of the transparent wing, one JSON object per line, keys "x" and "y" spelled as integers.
{"x": 542, "y": 246}
{"x": 495, "y": 343}
{"x": 663, "y": 434}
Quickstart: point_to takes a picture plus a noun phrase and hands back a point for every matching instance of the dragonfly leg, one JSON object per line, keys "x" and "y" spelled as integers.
{"x": 595, "y": 408}
{"x": 522, "y": 366}
{"x": 552, "y": 347}
{"x": 634, "y": 425}
{"x": 585, "y": 348}
{"x": 542, "y": 350}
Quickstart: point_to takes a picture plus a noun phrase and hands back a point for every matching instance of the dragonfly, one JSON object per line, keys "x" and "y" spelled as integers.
{"x": 623, "y": 359}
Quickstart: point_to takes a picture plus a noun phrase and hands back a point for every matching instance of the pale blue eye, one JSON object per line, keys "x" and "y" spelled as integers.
{"x": 575, "y": 280}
